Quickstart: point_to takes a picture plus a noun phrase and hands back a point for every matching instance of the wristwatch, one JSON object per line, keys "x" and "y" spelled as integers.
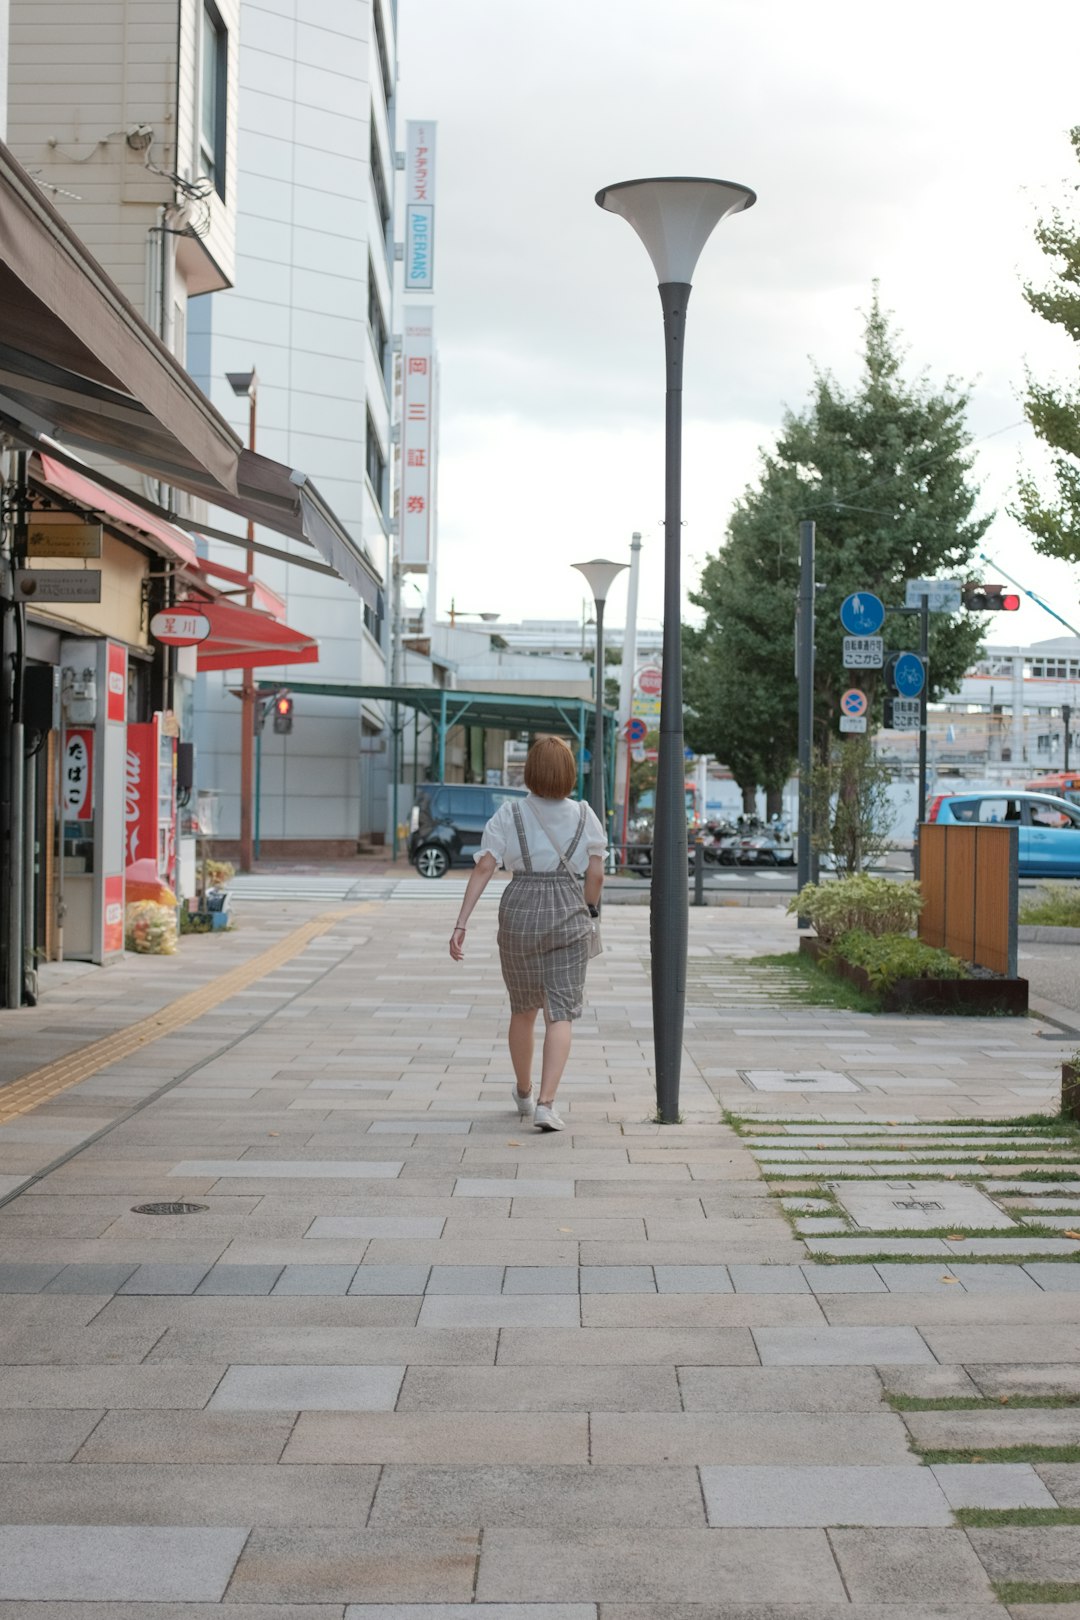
{"x": 594, "y": 911}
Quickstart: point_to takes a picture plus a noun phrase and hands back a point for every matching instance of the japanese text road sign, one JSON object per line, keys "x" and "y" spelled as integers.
{"x": 944, "y": 594}
{"x": 905, "y": 674}
{"x": 853, "y": 722}
{"x": 862, "y": 614}
{"x": 902, "y": 714}
{"x": 863, "y": 652}
{"x": 853, "y": 701}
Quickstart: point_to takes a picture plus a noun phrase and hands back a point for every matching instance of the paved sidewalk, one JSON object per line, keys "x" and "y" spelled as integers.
{"x": 406, "y": 1357}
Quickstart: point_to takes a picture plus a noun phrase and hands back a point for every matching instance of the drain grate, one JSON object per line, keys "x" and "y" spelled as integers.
{"x": 169, "y": 1209}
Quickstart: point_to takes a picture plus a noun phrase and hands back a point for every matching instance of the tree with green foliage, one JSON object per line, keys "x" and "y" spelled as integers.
{"x": 1054, "y": 411}
{"x": 885, "y": 472}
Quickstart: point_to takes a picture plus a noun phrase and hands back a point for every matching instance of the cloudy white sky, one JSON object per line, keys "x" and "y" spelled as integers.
{"x": 915, "y": 144}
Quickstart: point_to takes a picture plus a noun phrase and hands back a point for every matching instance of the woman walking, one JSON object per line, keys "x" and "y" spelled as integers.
{"x": 549, "y": 842}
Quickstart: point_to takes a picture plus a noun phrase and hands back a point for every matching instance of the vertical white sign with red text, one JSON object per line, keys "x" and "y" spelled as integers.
{"x": 417, "y": 437}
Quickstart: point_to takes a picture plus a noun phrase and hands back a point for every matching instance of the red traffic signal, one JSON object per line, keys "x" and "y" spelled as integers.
{"x": 990, "y": 599}
{"x": 283, "y": 707}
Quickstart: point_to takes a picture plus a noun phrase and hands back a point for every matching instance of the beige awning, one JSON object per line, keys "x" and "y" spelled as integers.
{"x": 77, "y": 362}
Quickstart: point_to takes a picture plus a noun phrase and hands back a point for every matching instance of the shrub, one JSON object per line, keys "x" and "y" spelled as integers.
{"x": 1054, "y": 904}
{"x": 218, "y": 872}
{"x": 887, "y": 958}
{"x": 873, "y": 905}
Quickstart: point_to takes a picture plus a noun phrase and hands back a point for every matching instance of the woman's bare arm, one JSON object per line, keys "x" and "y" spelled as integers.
{"x": 479, "y": 878}
{"x": 594, "y": 880}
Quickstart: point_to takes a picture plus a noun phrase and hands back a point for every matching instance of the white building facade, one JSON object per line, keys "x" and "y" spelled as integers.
{"x": 311, "y": 313}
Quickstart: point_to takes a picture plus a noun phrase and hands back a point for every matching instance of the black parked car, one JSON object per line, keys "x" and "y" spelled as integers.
{"x": 447, "y": 822}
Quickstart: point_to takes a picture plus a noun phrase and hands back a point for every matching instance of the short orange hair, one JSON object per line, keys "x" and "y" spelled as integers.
{"x": 550, "y": 769}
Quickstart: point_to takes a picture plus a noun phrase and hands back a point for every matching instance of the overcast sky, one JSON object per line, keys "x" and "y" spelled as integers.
{"x": 915, "y": 144}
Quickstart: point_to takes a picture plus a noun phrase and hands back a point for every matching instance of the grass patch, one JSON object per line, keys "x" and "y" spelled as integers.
{"x": 1037, "y": 1591}
{"x": 1003, "y": 1454}
{"x": 1053, "y": 905}
{"x": 976, "y": 1403}
{"x": 949, "y": 1261}
{"x": 812, "y": 986}
{"x": 992, "y": 1518}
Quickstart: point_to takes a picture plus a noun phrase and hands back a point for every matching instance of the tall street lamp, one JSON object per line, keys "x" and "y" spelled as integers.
{"x": 674, "y": 218}
{"x": 247, "y": 383}
{"x": 601, "y": 576}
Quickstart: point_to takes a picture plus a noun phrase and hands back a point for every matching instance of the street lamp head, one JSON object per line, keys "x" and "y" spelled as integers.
{"x": 675, "y": 217}
{"x": 243, "y": 383}
{"x": 600, "y": 575}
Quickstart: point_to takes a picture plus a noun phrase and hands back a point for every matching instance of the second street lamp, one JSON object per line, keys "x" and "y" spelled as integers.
{"x": 674, "y": 218}
{"x": 600, "y": 575}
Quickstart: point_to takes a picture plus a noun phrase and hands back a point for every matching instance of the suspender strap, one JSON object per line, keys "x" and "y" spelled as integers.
{"x": 523, "y": 842}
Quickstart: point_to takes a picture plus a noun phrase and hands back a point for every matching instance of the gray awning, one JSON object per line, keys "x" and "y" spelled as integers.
{"x": 77, "y": 362}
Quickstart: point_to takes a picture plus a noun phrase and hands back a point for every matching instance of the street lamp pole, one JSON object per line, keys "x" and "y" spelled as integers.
{"x": 600, "y": 576}
{"x": 247, "y": 383}
{"x": 674, "y": 217}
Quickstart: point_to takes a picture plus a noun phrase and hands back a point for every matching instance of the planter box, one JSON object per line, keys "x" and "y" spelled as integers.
{"x": 974, "y": 996}
{"x": 1070, "y": 1090}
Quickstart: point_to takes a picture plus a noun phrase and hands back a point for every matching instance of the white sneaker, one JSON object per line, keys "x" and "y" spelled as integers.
{"x": 525, "y": 1105}
{"x": 546, "y": 1119}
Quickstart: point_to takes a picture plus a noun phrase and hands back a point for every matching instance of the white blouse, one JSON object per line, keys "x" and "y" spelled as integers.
{"x": 560, "y": 817}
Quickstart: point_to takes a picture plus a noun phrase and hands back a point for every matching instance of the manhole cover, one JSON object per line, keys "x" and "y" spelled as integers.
{"x": 169, "y": 1209}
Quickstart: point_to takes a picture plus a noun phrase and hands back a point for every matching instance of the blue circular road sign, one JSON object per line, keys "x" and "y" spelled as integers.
{"x": 862, "y": 614}
{"x": 909, "y": 676}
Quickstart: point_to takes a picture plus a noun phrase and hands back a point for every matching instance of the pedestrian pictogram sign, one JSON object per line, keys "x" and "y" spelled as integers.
{"x": 862, "y": 614}
{"x": 853, "y": 701}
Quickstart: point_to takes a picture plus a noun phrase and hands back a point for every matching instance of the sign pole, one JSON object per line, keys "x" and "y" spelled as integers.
{"x": 924, "y": 650}
{"x": 805, "y": 676}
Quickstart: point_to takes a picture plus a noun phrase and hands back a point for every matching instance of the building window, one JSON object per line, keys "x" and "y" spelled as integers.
{"x": 378, "y": 181}
{"x": 376, "y": 462}
{"x": 376, "y": 322}
{"x": 213, "y": 92}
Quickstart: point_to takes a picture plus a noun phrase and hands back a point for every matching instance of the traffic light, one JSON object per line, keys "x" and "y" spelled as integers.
{"x": 283, "y": 713}
{"x": 990, "y": 599}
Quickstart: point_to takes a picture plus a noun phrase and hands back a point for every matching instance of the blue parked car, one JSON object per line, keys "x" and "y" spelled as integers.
{"x": 1049, "y": 827}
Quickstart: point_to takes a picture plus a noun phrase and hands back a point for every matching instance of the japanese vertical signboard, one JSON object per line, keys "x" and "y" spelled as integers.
{"x": 79, "y": 774}
{"x": 116, "y": 682}
{"x": 417, "y": 437}
{"x": 419, "y": 206}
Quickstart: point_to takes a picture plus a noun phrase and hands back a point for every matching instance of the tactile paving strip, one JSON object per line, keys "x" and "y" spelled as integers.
{"x": 22, "y": 1096}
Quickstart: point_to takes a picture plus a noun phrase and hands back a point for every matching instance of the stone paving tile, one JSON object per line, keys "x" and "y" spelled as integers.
{"x": 116, "y": 1563}
{"x": 184, "y": 1494}
{"x": 708, "y": 1347}
{"x": 358, "y": 1565}
{"x": 502, "y": 1311}
{"x": 844, "y": 1279}
{"x": 1049, "y": 1552}
{"x": 1063, "y": 1482}
{"x": 815, "y": 1495}
{"x": 226, "y": 1279}
{"x": 289, "y": 1169}
{"x": 1019, "y": 1378}
{"x": 466, "y": 1280}
{"x": 778, "y": 1389}
{"x": 164, "y": 1279}
{"x": 840, "y": 1346}
{"x": 89, "y": 1387}
{"x": 307, "y": 1388}
{"x": 325, "y": 1346}
{"x": 314, "y": 1279}
{"x": 540, "y": 1280}
{"x": 1034, "y": 1342}
{"x": 374, "y": 1226}
{"x": 82, "y": 1279}
{"x": 425, "y": 1437}
{"x": 992, "y": 1485}
{"x": 1055, "y": 1279}
{"x": 1001, "y": 1427}
{"x": 25, "y": 1279}
{"x": 576, "y": 1389}
{"x": 548, "y": 1498}
{"x": 617, "y": 1280}
{"x": 910, "y": 1566}
{"x": 188, "y": 1437}
{"x": 49, "y": 1436}
{"x": 768, "y": 1279}
{"x": 750, "y": 1437}
{"x": 390, "y": 1280}
{"x": 764, "y": 1566}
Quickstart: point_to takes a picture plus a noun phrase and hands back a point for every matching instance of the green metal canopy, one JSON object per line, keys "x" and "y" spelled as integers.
{"x": 498, "y": 711}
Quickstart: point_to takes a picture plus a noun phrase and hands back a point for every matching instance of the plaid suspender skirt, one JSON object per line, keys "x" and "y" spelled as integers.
{"x": 544, "y": 935}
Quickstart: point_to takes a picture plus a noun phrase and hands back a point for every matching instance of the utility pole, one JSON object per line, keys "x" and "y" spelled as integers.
{"x": 804, "y": 670}
{"x": 924, "y": 654}
{"x": 1066, "y": 722}
{"x": 626, "y": 699}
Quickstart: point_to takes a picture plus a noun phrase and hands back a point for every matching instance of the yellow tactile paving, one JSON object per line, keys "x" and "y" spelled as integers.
{"x": 22, "y": 1096}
